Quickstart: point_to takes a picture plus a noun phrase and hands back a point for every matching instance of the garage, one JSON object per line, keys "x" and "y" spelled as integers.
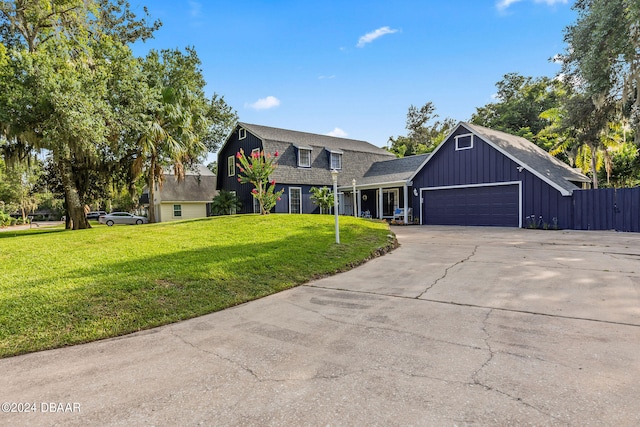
{"x": 478, "y": 205}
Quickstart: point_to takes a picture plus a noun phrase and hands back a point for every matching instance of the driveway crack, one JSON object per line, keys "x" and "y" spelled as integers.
{"x": 477, "y": 382}
{"x": 446, "y": 271}
{"x": 213, "y": 353}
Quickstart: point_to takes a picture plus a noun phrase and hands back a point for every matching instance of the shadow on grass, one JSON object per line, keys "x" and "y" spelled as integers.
{"x": 31, "y": 232}
{"x": 114, "y": 298}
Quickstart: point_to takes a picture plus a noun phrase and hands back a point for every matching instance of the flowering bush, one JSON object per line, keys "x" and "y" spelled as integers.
{"x": 256, "y": 170}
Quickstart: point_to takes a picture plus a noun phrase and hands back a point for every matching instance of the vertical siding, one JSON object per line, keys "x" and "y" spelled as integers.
{"x": 607, "y": 209}
{"x": 224, "y": 182}
{"x": 483, "y": 165}
{"x": 308, "y": 207}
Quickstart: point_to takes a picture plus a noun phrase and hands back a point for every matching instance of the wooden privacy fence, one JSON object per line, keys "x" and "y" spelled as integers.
{"x": 607, "y": 209}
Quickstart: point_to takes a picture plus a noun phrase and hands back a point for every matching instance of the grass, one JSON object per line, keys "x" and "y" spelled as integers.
{"x": 59, "y": 288}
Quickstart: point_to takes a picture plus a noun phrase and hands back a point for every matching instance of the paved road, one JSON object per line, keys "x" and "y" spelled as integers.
{"x": 459, "y": 326}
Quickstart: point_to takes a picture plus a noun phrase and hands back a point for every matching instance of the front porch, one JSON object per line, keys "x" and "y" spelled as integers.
{"x": 392, "y": 202}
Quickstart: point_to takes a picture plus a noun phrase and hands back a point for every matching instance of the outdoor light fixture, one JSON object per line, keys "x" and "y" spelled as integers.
{"x": 334, "y": 177}
{"x": 415, "y": 192}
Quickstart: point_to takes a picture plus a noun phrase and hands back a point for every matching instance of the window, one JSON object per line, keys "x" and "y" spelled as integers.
{"x": 242, "y": 133}
{"x": 304, "y": 157}
{"x": 177, "y": 210}
{"x": 464, "y": 142}
{"x": 231, "y": 166}
{"x": 295, "y": 200}
{"x": 256, "y": 205}
{"x": 256, "y": 151}
{"x": 336, "y": 160}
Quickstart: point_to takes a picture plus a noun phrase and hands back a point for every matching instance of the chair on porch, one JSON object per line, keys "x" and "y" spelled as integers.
{"x": 398, "y": 214}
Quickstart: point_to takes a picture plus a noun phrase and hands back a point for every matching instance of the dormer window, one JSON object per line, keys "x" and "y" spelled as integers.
{"x": 464, "y": 142}
{"x": 242, "y": 133}
{"x": 335, "y": 160}
{"x": 304, "y": 157}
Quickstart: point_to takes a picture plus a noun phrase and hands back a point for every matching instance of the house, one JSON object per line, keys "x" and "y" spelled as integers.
{"x": 183, "y": 199}
{"x": 305, "y": 160}
{"x": 476, "y": 176}
{"x": 479, "y": 176}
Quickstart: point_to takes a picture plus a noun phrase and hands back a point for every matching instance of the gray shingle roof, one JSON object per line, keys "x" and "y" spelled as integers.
{"x": 531, "y": 157}
{"x": 395, "y": 170}
{"x": 199, "y": 185}
{"x": 357, "y": 156}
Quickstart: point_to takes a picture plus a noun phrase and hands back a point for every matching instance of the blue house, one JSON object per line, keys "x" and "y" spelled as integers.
{"x": 479, "y": 176}
{"x": 476, "y": 176}
{"x": 305, "y": 160}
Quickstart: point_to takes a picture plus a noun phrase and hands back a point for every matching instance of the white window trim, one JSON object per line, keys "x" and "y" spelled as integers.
{"x": 300, "y": 165}
{"x": 458, "y": 148}
{"x": 331, "y": 160}
{"x": 179, "y": 209}
{"x": 231, "y": 166}
{"x": 255, "y": 150}
{"x": 299, "y": 189}
{"x": 242, "y": 133}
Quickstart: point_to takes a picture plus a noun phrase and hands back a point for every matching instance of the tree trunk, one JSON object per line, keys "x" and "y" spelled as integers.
{"x": 151, "y": 183}
{"x": 593, "y": 165}
{"x": 76, "y": 216}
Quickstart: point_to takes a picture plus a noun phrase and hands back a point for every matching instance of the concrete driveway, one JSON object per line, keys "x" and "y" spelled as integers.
{"x": 459, "y": 326}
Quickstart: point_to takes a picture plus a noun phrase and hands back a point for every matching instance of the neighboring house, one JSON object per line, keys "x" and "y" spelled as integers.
{"x": 476, "y": 176}
{"x": 305, "y": 160}
{"x": 183, "y": 199}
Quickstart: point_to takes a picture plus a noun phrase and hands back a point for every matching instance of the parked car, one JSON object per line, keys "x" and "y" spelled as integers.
{"x": 95, "y": 214}
{"x": 122, "y": 218}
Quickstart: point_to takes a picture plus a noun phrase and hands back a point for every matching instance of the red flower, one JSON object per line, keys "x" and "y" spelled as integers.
{"x": 241, "y": 170}
{"x": 276, "y": 153}
{"x": 279, "y": 199}
{"x": 240, "y": 180}
{"x": 238, "y": 155}
{"x": 255, "y": 154}
{"x": 272, "y": 183}
{"x": 254, "y": 191}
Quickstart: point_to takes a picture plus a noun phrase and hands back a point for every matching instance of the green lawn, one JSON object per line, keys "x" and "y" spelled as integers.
{"x": 59, "y": 288}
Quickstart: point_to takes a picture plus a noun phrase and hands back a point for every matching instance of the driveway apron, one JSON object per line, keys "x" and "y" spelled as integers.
{"x": 458, "y": 326}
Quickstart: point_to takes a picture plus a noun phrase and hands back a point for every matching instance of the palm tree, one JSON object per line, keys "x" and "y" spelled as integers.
{"x": 225, "y": 203}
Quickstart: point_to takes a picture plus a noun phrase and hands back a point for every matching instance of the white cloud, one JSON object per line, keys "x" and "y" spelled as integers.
{"x": 503, "y": 5}
{"x": 264, "y": 103}
{"x": 195, "y": 8}
{"x": 338, "y": 133}
{"x": 552, "y": 2}
{"x": 327, "y": 77}
{"x": 369, "y": 37}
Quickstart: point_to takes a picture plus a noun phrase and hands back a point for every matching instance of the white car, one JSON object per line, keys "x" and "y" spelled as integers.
{"x": 122, "y": 218}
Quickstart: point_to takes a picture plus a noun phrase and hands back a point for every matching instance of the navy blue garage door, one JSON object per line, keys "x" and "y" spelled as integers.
{"x": 493, "y": 205}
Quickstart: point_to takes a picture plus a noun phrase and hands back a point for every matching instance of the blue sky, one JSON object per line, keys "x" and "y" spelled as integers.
{"x": 353, "y": 67}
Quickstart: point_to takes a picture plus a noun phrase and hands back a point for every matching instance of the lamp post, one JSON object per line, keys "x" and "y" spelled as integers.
{"x": 355, "y": 199}
{"x": 334, "y": 177}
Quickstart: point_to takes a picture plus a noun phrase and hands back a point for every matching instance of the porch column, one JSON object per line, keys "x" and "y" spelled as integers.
{"x": 356, "y": 212}
{"x": 380, "y": 203}
{"x": 405, "y": 193}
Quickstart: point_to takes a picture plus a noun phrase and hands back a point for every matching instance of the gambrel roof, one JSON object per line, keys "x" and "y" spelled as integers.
{"x": 357, "y": 155}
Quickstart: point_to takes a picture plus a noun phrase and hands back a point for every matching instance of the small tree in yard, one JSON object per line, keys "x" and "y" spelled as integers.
{"x": 225, "y": 203}
{"x": 256, "y": 170}
{"x": 322, "y": 197}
